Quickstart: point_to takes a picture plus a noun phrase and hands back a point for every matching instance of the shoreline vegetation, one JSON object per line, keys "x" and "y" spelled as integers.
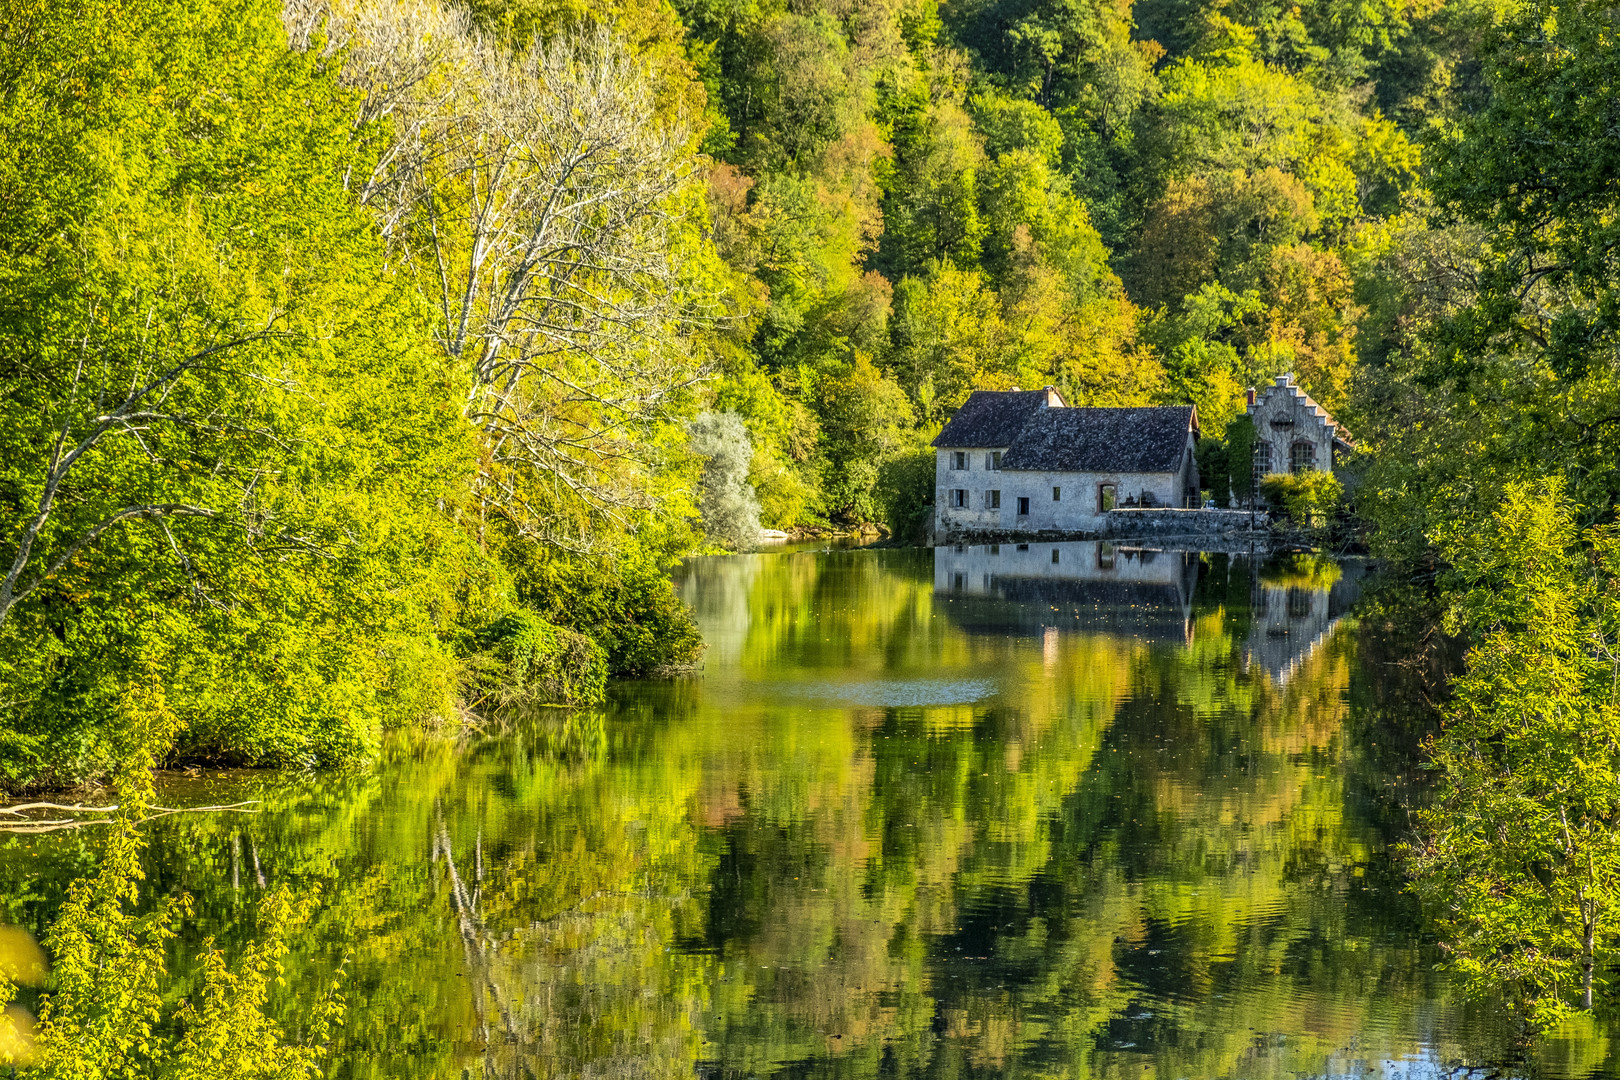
{"x": 368, "y": 363}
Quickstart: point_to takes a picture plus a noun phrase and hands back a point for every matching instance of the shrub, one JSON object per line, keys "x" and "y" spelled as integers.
{"x": 643, "y": 625}
{"x": 524, "y": 658}
{"x": 1309, "y": 499}
{"x": 1240, "y": 441}
{"x": 1214, "y": 470}
{"x": 905, "y": 491}
{"x": 623, "y": 599}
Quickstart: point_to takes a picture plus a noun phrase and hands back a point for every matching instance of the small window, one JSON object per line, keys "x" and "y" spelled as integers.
{"x": 961, "y": 549}
{"x": 959, "y": 497}
{"x": 1262, "y": 462}
{"x": 1023, "y": 547}
{"x": 958, "y": 581}
{"x": 995, "y": 549}
{"x": 1302, "y": 457}
{"x": 1107, "y": 498}
{"x": 1105, "y": 556}
{"x": 1057, "y": 494}
{"x": 959, "y": 461}
{"x": 995, "y": 460}
{"x": 992, "y": 500}
{"x": 1023, "y": 506}
{"x": 1054, "y": 556}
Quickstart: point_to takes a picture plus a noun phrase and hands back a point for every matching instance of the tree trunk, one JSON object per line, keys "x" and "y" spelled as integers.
{"x": 1587, "y": 940}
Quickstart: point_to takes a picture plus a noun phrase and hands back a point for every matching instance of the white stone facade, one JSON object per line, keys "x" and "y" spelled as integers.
{"x": 1070, "y": 502}
{"x": 1292, "y": 432}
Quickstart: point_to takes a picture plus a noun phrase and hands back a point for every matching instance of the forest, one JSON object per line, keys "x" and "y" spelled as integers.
{"x": 366, "y": 364}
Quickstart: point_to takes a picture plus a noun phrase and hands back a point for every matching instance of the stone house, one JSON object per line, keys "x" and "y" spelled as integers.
{"x": 1292, "y": 432}
{"x": 1024, "y": 461}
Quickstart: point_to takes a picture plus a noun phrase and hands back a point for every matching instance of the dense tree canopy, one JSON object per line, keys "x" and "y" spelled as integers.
{"x": 369, "y": 361}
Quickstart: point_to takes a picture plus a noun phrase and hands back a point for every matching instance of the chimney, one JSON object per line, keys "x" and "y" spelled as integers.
{"x": 1251, "y": 397}
{"x": 1053, "y": 400}
{"x": 1286, "y": 380}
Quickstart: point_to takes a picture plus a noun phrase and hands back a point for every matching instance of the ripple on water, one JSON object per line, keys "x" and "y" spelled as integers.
{"x": 886, "y": 693}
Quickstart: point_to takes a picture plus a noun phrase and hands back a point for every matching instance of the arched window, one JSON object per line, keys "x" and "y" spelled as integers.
{"x": 1302, "y": 457}
{"x": 1262, "y": 463}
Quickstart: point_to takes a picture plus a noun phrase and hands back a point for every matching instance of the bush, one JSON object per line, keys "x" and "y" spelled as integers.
{"x": 623, "y": 599}
{"x": 524, "y": 658}
{"x": 905, "y": 491}
{"x": 1240, "y": 441}
{"x": 643, "y": 626}
{"x": 1309, "y": 499}
{"x": 1214, "y": 471}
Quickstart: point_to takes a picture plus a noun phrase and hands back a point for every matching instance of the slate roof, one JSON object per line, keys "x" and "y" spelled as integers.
{"x": 1150, "y": 440}
{"x": 990, "y": 418}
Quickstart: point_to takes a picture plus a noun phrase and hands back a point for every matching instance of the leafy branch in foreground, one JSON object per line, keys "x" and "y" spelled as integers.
{"x": 105, "y": 1011}
{"x": 1519, "y": 855}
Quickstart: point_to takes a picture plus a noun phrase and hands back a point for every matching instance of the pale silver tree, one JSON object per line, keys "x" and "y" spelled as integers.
{"x": 728, "y": 501}
{"x": 538, "y": 201}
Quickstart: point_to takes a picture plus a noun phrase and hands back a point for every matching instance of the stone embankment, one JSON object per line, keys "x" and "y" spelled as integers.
{"x": 1135, "y": 523}
{"x": 1166, "y": 521}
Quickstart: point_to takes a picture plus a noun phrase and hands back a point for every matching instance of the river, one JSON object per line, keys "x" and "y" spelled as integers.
{"x": 1062, "y": 810}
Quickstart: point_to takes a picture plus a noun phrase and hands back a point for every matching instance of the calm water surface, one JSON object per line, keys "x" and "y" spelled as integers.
{"x": 1064, "y": 811}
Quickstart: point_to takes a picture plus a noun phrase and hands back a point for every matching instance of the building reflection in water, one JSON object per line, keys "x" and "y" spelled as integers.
{"x": 1143, "y": 592}
{"x": 1294, "y": 614}
{"x": 1087, "y": 585}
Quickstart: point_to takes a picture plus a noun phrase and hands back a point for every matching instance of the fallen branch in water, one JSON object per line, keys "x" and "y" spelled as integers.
{"x": 27, "y": 824}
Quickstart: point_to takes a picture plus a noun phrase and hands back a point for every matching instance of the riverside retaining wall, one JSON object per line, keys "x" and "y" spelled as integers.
{"x": 1165, "y": 521}
{"x": 1133, "y": 523}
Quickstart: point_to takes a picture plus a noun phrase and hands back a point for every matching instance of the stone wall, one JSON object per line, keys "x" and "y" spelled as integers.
{"x": 1076, "y": 510}
{"x": 976, "y": 477}
{"x": 1172, "y": 522}
{"x": 1122, "y": 524}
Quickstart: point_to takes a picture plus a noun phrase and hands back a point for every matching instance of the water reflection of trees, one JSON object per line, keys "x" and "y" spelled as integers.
{"x": 1143, "y": 855}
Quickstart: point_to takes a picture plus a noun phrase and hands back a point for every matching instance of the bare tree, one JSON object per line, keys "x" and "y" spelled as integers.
{"x": 536, "y": 198}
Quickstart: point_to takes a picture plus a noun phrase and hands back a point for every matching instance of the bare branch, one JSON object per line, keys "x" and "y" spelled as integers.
{"x": 535, "y": 199}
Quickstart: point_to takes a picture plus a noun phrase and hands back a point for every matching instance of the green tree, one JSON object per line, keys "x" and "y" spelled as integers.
{"x": 224, "y": 445}
{"x": 867, "y": 420}
{"x": 1501, "y": 366}
{"x": 1520, "y": 854}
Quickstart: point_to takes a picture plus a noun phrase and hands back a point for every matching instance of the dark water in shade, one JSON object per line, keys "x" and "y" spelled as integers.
{"x": 1069, "y": 811}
